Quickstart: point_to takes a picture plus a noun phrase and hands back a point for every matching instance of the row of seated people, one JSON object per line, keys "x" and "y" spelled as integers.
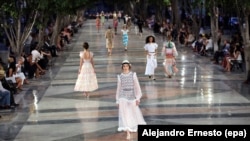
{"x": 32, "y": 63}
{"x": 19, "y": 69}
{"x": 66, "y": 35}
{"x": 36, "y": 63}
{"x": 232, "y": 56}
{"x": 14, "y": 74}
{"x": 203, "y": 45}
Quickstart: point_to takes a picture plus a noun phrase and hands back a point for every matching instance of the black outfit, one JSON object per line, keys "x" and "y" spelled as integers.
{"x": 51, "y": 49}
{"x": 140, "y": 24}
{"x": 182, "y": 37}
{"x": 218, "y": 55}
{"x": 12, "y": 66}
{"x": 30, "y": 67}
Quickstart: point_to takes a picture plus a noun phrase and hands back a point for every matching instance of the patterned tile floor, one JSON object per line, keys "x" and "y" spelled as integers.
{"x": 201, "y": 93}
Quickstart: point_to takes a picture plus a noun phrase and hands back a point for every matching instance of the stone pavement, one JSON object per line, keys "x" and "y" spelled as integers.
{"x": 201, "y": 93}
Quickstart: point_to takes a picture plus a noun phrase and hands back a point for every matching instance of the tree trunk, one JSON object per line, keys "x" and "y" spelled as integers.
{"x": 175, "y": 11}
{"x": 16, "y": 37}
{"x": 196, "y": 27}
{"x": 247, "y": 58}
{"x": 159, "y": 11}
{"x": 56, "y": 30}
{"x": 142, "y": 9}
{"x": 214, "y": 25}
{"x": 245, "y": 33}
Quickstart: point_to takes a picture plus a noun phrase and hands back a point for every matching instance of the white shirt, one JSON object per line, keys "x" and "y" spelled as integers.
{"x": 151, "y": 47}
{"x": 36, "y": 55}
{"x": 209, "y": 44}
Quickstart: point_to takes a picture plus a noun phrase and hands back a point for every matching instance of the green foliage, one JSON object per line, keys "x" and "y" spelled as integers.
{"x": 167, "y": 2}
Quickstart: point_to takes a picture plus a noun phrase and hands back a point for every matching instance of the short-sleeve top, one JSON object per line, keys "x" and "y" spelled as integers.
{"x": 151, "y": 47}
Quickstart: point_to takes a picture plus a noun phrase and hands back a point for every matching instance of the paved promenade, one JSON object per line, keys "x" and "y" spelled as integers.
{"x": 201, "y": 93}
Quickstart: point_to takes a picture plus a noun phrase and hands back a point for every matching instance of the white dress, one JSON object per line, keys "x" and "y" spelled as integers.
{"x": 151, "y": 58}
{"x": 20, "y": 74}
{"x": 86, "y": 80}
{"x": 128, "y": 91}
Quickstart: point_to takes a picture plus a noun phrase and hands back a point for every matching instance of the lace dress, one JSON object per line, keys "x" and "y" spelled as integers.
{"x": 86, "y": 80}
{"x": 128, "y": 91}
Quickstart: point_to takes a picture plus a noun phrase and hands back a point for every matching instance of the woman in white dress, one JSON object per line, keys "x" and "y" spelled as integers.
{"x": 19, "y": 72}
{"x": 151, "y": 53}
{"x": 128, "y": 97}
{"x": 86, "y": 81}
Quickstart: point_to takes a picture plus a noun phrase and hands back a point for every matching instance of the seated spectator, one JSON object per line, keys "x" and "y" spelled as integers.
{"x": 80, "y": 21}
{"x": 7, "y": 98}
{"x": 4, "y": 94}
{"x": 4, "y": 98}
{"x": 50, "y": 48}
{"x": 221, "y": 53}
{"x": 236, "y": 56}
{"x": 43, "y": 62}
{"x": 182, "y": 35}
{"x": 11, "y": 71}
{"x": 34, "y": 68}
{"x": 197, "y": 45}
{"x": 189, "y": 39}
{"x": 66, "y": 35}
{"x": 19, "y": 72}
{"x": 207, "y": 45}
{"x": 60, "y": 42}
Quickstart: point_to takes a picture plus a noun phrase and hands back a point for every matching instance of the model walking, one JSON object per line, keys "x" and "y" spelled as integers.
{"x": 98, "y": 23}
{"x": 125, "y": 37}
{"x": 151, "y": 53}
{"x": 140, "y": 24}
{"x": 170, "y": 52}
{"x": 115, "y": 24}
{"x": 109, "y": 35}
{"x": 128, "y": 97}
{"x": 86, "y": 81}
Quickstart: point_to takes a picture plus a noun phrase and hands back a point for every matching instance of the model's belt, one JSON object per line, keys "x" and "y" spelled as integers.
{"x": 169, "y": 56}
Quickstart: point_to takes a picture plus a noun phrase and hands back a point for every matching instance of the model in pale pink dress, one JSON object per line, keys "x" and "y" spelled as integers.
{"x": 128, "y": 97}
{"x": 86, "y": 81}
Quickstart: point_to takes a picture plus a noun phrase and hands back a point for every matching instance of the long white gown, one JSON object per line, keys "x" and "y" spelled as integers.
{"x": 151, "y": 58}
{"x": 86, "y": 80}
{"x": 128, "y": 91}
